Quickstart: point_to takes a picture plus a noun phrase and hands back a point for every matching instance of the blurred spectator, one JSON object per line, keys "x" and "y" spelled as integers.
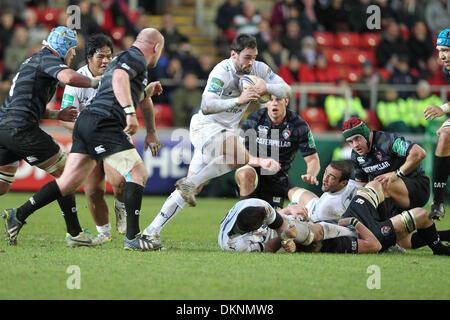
{"x": 433, "y": 74}
{"x": 5, "y": 86}
{"x": 17, "y": 51}
{"x": 6, "y": 31}
{"x": 422, "y": 99}
{"x": 275, "y": 55}
{"x": 437, "y": 15}
{"x": 358, "y": 16}
{"x": 296, "y": 70}
{"x": 292, "y": 38}
{"x": 387, "y": 13}
{"x": 263, "y": 37}
{"x": 408, "y": 12}
{"x": 88, "y": 24}
{"x": 189, "y": 62}
{"x": 186, "y": 98}
{"x": 336, "y": 107}
{"x": 225, "y": 17}
{"x": 402, "y": 75}
{"x": 421, "y": 47}
{"x": 391, "y": 47}
{"x": 126, "y": 42}
{"x": 391, "y": 112}
{"x": 206, "y": 66}
{"x": 371, "y": 78}
{"x": 36, "y": 31}
{"x": 248, "y": 20}
{"x": 80, "y": 58}
{"x": 279, "y": 14}
{"x": 309, "y": 50}
{"x": 174, "y": 70}
{"x": 324, "y": 72}
{"x": 173, "y": 38}
{"x": 142, "y": 21}
{"x": 308, "y": 18}
{"x": 335, "y": 16}
{"x": 16, "y": 7}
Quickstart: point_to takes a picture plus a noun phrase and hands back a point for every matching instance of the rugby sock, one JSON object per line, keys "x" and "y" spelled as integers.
{"x": 431, "y": 237}
{"x": 48, "y": 193}
{"x": 441, "y": 171}
{"x": 418, "y": 242}
{"x": 105, "y": 229}
{"x": 132, "y": 196}
{"x": 216, "y": 168}
{"x": 169, "y": 210}
{"x": 69, "y": 212}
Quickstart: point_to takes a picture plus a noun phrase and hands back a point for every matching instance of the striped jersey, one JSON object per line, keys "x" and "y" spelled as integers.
{"x": 32, "y": 88}
{"x": 133, "y": 62}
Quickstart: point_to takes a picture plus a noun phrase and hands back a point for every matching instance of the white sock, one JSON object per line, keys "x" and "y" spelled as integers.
{"x": 331, "y": 231}
{"x": 105, "y": 229}
{"x": 169, "y": 210}
{"x": 216, "y": 168}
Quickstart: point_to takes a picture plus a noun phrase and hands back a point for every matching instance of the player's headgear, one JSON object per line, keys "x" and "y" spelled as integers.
{"x": 443, "y": 38}
{"x": 355, "y": 126}
{"x": 62, "y": 39}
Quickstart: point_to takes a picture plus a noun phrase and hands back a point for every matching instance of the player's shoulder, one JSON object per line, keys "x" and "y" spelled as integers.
{"x": 223, "y": 68}
{"x": 84, "y": 70}
{"x": 262, "y": 70}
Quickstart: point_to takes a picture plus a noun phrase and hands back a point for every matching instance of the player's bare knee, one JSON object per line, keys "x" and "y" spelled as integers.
{"x": 94, "y": 194}
{"x": 246, "y": 177}
{"x": 421, "y": 217}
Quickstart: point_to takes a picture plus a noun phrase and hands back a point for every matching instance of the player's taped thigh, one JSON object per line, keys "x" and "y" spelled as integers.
{"x": 297, "y": 194}
{"x": 304, "y": 233}
{"x": 9, "y": 177}
{"x": 408, "y": 220}
{"x": 371, "y": 195}
{"x": 123, "y": 161}
{"x": 58, "y": 164}
{"x": 243, "y": 168}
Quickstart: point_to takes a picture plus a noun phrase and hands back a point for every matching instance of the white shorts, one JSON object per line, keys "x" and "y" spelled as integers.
{"x": 206, "y": 137}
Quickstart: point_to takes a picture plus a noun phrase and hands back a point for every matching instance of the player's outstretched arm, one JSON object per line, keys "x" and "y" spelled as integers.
{"x": 75, "y": 79}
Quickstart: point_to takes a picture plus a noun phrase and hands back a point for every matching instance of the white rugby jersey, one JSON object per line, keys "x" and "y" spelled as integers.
{"x": 223, "y": 83}
{"x": 331, "y": 206}
{"x": 251, "y": 241}
{"x": 78, "y": 97}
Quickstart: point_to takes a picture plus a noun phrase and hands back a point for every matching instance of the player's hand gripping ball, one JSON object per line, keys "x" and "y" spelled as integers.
{"x": 250, "y": 80}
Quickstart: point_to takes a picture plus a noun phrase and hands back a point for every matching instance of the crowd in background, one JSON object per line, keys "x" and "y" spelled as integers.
{"x": 287, "y": 42}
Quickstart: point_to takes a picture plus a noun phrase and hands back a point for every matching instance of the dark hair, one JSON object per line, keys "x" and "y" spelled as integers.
{"x": 242, "y": 42}
{"x": 251, "y": 219}
{"x": 345, "y": 167}
{"x": 96, "y": 42}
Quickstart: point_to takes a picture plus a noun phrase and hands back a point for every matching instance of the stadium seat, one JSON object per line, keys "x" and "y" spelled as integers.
{"x": 316, "y": 119}
{"x": 163, "y": 115}
{"x": 372, "y": 120}
{"x": 117, "y": 34}
{"x": 351, "y": 74}
{"x": 339, "y": 57}
{"x": 49, "y": 16}
{"x": 324, "y": 39}
{"x": 384, "y": 73}
{"x": 347, "y": 40}
{"x": 361, "y": 56}
{"x": 369, "y": 40}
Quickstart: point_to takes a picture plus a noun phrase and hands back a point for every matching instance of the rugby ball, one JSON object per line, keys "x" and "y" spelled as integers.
{"x": 249, "y": 81}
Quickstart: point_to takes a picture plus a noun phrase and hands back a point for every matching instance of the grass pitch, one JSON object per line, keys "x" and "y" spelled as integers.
{"x": 194, "y": 267}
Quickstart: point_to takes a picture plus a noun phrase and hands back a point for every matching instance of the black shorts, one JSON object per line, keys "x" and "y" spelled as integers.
{"x": 361, "y": 209}
{"x": 419, "y": 193}
{"x": 340, "y": 245}
{"x": 98, "y": 135}
{"x": 31, "y": 144}
{"x": 272, "y": 188}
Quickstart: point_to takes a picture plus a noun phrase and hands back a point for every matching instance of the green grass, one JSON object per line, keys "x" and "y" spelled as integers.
{"x": 194, "y": 267}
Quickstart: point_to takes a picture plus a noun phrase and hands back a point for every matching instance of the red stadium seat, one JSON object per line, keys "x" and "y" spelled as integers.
{"x": 339, "y": 57}
{"x": 347, "y": 40}
{"x": 117, "y": 34}
{"x": 324, "y": 39}
{"x": 316, "y": 119}
{"x": 369, "y": 40}
{"x": 49, "y": 16}
{"x": 163, "y": 115}
{"x": 361, "y": 56}
{"x": 372, "y": 120}
{"x": 384, "y": 73}
{"x": 351, "y": 74}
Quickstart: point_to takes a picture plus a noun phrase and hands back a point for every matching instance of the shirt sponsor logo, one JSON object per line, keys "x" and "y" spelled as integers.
{"x": 361, "y": 160}
{"x": 377, "y": 167}
{"x": 125, "y": 66}
{"x": 215, "y": 85}
{"x": 67, "y": 101}
{"x": 400, "y": 147}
